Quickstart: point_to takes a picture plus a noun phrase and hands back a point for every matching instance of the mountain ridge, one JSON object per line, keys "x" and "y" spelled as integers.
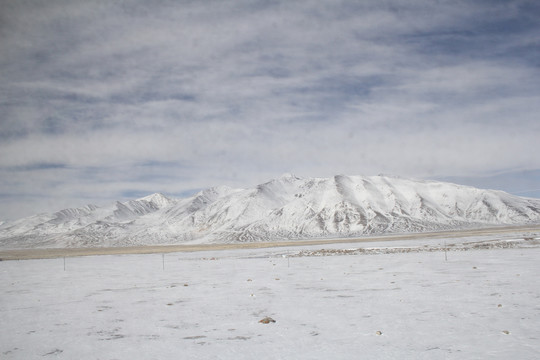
{"x": 289, "y": 207}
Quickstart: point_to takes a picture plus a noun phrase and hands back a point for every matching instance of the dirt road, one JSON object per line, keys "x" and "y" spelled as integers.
{"x": 23, "y": 254}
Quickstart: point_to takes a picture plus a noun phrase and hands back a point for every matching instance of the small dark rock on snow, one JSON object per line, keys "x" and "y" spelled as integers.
{"x": 267, "y": 320}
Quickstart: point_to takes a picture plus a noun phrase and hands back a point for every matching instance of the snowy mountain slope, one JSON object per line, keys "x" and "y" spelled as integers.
{"x": 285, "y": 208}
{"x": 55, "y": 229}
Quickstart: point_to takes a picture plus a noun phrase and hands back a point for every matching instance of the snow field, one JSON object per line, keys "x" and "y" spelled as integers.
{"x": 481, "y": 304}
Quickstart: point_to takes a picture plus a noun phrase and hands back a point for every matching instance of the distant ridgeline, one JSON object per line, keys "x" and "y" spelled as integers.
{"x": 285, "y": 208}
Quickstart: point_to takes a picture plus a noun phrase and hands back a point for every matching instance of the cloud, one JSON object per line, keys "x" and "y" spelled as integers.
{"x": 99, "y": 100}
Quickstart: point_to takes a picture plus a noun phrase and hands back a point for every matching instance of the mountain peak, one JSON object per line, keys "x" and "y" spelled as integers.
{"x": 157, "y": 199}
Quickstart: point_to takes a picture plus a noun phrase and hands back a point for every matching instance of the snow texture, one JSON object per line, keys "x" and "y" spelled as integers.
{"x": 480, "y": 303}
{"x": 285, "y": 208}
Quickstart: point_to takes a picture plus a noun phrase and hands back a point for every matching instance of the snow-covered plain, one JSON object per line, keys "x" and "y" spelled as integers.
{"x": 477, "y": 304}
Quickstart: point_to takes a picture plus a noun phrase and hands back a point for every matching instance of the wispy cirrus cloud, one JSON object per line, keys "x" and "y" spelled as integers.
{"x": 124, "y": 98}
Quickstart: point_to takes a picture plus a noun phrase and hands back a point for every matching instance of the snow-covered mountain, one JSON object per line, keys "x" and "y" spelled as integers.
{"x": 285, "y": 208}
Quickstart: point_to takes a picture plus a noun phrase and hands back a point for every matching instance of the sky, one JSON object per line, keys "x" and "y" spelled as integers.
{"x": 112, "y": 100}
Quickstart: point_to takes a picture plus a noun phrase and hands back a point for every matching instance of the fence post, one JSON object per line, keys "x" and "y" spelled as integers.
{"x": 288, "y": 259}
